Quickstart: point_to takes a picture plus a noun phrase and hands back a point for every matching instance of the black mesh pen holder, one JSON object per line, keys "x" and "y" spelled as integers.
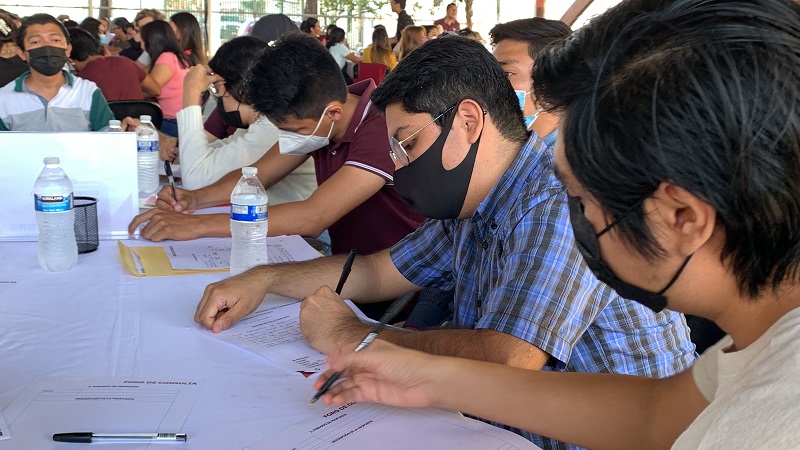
{"x": 86, "y": 232}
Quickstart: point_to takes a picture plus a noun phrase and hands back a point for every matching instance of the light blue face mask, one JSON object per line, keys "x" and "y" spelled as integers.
{"x": 521, "y": 99}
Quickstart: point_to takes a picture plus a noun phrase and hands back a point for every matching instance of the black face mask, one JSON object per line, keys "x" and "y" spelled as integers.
{"x": 587, "y": 242}
{"x": 429, "y": 188}
{"x": 231, "y": 118}
{"x": 47, "y": 60}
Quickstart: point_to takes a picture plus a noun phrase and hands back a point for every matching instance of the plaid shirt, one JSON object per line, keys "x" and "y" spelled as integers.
{"x": 515, "y": 269}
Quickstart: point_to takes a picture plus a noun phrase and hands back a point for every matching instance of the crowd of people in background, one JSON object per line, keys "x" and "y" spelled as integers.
{"x": 558, "y": 203}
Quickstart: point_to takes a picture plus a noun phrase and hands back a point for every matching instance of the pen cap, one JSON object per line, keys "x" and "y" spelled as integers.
{"x": 73, "y": 437}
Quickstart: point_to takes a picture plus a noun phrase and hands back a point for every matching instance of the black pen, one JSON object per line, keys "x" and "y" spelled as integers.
{"x": 168, "y": 171}
{"x": 395, "y": 308}
{"x": 348, "y": 264}
{"x": 88, "y": 437}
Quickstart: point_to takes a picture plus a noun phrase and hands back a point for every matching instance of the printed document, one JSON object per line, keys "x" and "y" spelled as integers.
{"x": 273, "y": 331}
{"x": 356, "y": 426}
{"x": 99, "y": 405}
{"x": 216, "y": 253}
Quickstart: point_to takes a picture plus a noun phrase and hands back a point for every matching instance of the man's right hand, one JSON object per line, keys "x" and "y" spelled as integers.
{"x": 227, "y": 301}
{"x": 186, "y": 202}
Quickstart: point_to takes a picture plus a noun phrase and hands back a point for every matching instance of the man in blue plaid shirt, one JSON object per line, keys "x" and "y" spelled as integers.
{"x": 499, "y": 235}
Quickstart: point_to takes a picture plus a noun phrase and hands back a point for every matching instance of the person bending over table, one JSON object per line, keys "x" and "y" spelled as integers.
{"x": 298, "y": 87}
{"x": 679, "y": 147}
{"x": 205, "y": 159}
{"x": 498, "y": 234}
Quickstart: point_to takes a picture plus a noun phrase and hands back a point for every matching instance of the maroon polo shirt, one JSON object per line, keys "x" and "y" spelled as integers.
{"x": 455, "y": 26}
{"x": 116, "y": 76}
{"x": 384, "y": 218}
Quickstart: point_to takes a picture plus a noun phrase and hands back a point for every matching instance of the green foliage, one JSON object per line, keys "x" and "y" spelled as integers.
{"x": 334, "y": 9}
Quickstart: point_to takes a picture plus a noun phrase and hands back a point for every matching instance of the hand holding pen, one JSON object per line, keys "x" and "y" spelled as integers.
{"x": 395, "y": 308}
{"x": 168, "y": 171}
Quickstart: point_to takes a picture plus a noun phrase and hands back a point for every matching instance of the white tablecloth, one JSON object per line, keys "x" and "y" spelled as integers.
{"x": 96, "y": 320}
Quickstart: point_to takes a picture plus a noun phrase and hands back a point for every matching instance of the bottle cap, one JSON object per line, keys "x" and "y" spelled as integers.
{"x": 144, "y": 118}
{"x": 52, "y": 160}
{"x": 249, "y": 170}
{"x": 114, "y": 123}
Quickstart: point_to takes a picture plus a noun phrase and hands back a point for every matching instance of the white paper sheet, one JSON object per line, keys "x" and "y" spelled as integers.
{"x": 357, "y": 426}
{"x": 100, "y": 405}
{"x": 216, "y": 253}
{"x": 273, "y": 331}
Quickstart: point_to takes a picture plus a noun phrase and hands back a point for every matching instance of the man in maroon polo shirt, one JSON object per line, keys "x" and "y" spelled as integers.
{"x": 298, "y": 86}
{"x": 118, "y": 78}
{"x": 449, "y": 22}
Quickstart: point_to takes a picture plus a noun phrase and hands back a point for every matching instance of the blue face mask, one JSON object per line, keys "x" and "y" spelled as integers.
{"x": 521, "y": 99}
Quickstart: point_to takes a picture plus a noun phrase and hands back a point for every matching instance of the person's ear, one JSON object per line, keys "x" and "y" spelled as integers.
{"x": 467, "y": 127}
{"x": 684, "y": 221}
{"x": 21, "y": 54}
{"x": 335, "y": 111}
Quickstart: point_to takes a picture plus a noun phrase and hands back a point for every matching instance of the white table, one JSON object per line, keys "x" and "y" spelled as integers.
{"x": 96, "y": 320}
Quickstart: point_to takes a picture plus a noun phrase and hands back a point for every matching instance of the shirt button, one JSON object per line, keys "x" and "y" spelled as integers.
{"x": 494, "y": 225}
{"x": 485, "y": 245}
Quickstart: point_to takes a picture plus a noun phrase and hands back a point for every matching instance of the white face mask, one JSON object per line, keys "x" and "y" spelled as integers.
{"x": 291, "y": 143}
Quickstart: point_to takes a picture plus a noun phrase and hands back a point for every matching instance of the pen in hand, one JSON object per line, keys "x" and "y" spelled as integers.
{"x": 395, "y": 308}
{"x": 168, "y": 171}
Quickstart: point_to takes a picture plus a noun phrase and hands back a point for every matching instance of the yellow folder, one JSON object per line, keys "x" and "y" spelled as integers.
{"x": 155, "y": 262}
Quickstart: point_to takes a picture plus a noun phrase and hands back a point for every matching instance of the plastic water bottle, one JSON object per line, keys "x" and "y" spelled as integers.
{"x": 147, "y": 153}
{"x": 248, "y": 222}
{"x": 114, "y": 126}
{"x": 52, "y": 194}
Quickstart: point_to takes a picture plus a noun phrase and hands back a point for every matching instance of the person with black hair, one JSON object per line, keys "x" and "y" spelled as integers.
{"x": 298, "y": 87}
{"x": 680, "y": 147}
{"x": 337, "y": 46}
{"x": 119, "y": 78}
{"x": 49, "y": 98}
{"x": 122, "y": 38}
{"x": 313, "y": 27}
{"x": 203, "y": 159}
{"x": 516, "y": 45}
{"x": 499, "y": 235}
{"x": 91, "y": 25}
{"x": 403, "y": 19}
{"x": 170, "y": 65}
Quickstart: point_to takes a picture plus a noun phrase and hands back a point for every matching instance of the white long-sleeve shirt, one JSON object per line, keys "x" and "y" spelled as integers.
{"x": 203, "y": 163}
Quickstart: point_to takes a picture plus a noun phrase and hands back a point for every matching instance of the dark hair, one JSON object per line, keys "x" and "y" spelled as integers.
{"x": 432, "y": 78}
{"x": 158, "y": 38}
{"x": 537, "y": 32}
{"x": 297, "y": 77}
{"x": 91, "y": 25}
{"x": 451, "y": 4}
{"x": 308, "y": 24}
{"x": 69, "y": 23}
{"x": 191, "y": 37}
{"x": 701, "y": 94}
{"x": 402, "y": 3}
{"x": 122, "y": 23}
{"x": 8, "y": 29}
{"x": 38, "y": 19}
{"x": 84, "y": 44}
{"x": 336, "y": 36}
{"x": 272, "y": 26}
{"x": 232, "y": 60}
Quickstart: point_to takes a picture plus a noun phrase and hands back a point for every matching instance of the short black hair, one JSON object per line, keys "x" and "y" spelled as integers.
{"x": 698, "y": 93}
{"x": 91, "y": 25}
{"x": 295, "y": 76}
{"x": 537, "y": 32}
{"x": 232, "y": 61}
{"x": 84, "y": 44}
{"x": 38, "y": 19}
{"x": 402, "y": 3}
{"x": 433, "y": 78}
{"x": 122, "y": 23}
{"x": 308, "y": 24}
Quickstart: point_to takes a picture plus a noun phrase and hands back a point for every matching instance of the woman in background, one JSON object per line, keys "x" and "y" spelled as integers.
{"x": 413, "y": 37}
{"x": 313, "y": 27}
{"x": 337, "y": 46}
{"x": 169, "y": 67}
{"x": 380, "y": 51}
{"x": 190, "y": 37}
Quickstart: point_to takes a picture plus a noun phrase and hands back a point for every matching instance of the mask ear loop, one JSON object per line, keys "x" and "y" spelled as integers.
{"x": 319, "y": 122}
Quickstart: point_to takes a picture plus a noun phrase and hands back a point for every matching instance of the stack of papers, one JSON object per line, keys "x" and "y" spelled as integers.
{"x": 204, "y": 255}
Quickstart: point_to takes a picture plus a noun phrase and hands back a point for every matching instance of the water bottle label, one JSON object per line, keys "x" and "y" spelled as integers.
{"x": 248, "y": 213}
{"x": 147, "y": 145}
{"x": 53, "y": 203}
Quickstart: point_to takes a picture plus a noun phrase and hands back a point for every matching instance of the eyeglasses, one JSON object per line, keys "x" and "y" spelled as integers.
{"x": 396, "y": 150}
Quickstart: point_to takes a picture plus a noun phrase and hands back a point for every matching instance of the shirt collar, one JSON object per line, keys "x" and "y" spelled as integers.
{"x": 20, "y": 86}
{"x": 363, "y": 89}
{"x": 524, "y": 169}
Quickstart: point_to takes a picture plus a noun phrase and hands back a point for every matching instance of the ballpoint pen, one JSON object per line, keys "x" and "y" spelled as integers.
{"x": 168, "y": 171}
{"x": 348, "y": 264}
{"x": 395, "y": 308}
{"x": 88, "y": 437}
